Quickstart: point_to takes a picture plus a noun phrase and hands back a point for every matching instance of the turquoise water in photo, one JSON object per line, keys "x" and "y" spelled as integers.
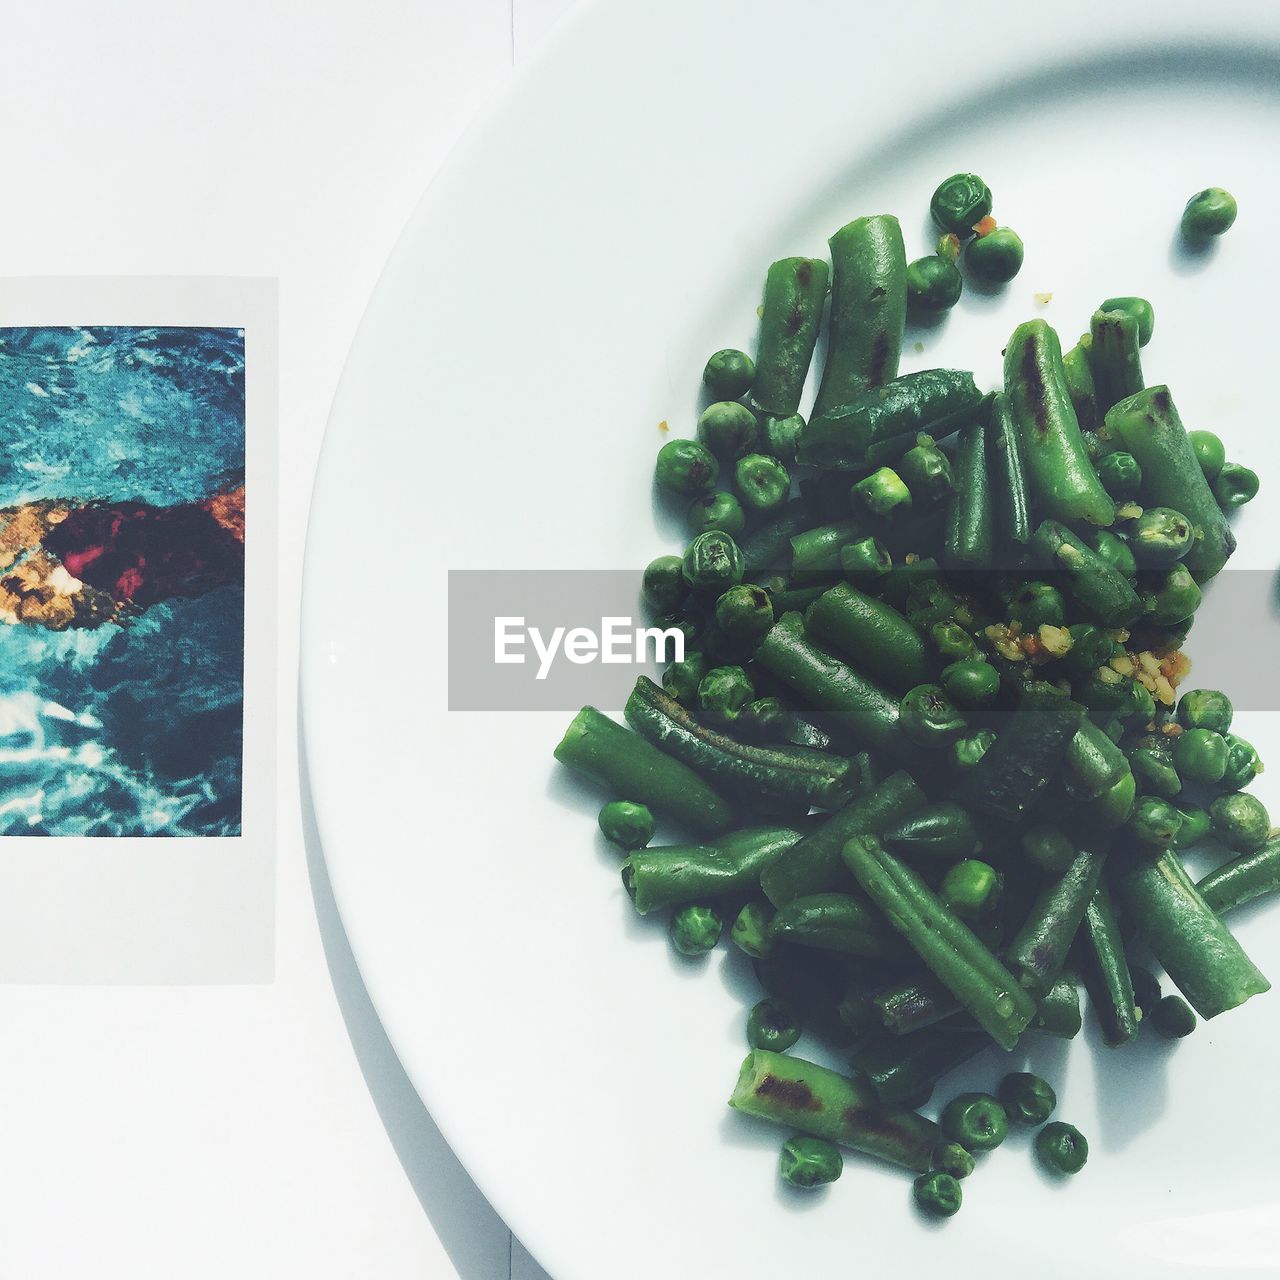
{"x": 130, "y": 729}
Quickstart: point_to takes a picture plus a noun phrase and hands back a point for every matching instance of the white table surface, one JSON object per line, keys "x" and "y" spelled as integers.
{"x": 256, "y": 1131}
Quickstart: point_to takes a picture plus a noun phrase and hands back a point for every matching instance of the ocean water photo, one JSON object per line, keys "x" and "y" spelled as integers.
{"x": 121, "y": 581}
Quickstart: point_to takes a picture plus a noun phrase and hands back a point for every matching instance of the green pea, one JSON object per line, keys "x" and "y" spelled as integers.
{"x": 713, "y": 563}
{"x": 1152, "y": 765}
{"x": 695, "y": 929}
{"x": 1173, "y": 597}
{"x": 778, "y": 437}
{"x": 965, "y": 752}
{"x": 1140, "y": 309}
{"x": 761, "y": 483}
{"x": 1038, "y": 604}
{"x": 1146, "y": 990}
{"x": 1027, "y": 1098}
{"x": 1234, "y": 485}
{"x": 953, "y": 642}
{"x": 1062, "y": 1148}
{"x": 1048, "y": 848}
{"x": 951, "y": 1158}
{"x": 970, "y": 888}
{"x": 663, "y": 585}
{"x": 960, "y": 202}
{"x": 728, "y": 429}
{"x": 809, "y": 1162}
{"x": 628, "y": 825}
{"x": 685, "y": 466}
{"x": 772, "y": 1024}
{"x": 681, "y": 679}
{"x": 971, "y": 683}
{"x": 764, "y": 720}
{"x": 1114, "y": 550}
{"x": 688, "y": 620}
{"x": 723, "y": 693}
{"x": 1090, "y": 648}
{"x": 1172, "y": 1017}
{"x": 716, "y": 511}
{"x": 865, "y": 561}
{"x": 729, "y": 374}
{"x": 1155, "y": 821}
{"x": 926, "y": 471}
{"x": 1240, "y": 821}
{"x": 1194, "y": 828}
{"x": 996, "y": 257}
{"x": 1243, "y": 763}
{"x": 750, "y": 930}
{"x": 1205, "y": 709}
{"x": 928, "y": 717}
{"x": 744, "y": 613}
{"x": 882, "y": 492}
{"x": 1142, "y": 703}
{"x": 938, "y": 1194}
{"x": 1210, "y": 452}
{"x": 1121, "y": 475}
{"x": 1200, "y": 755}
{"x": 1160, "y": 536}
{"x": 934, "y": 285}
{"x": 1209, "y": 213}
{"x": 975, "y": 1120}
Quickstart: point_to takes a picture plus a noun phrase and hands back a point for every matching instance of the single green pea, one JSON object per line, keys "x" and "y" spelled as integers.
{"x": 713, "y": 563}
{"x": 1114, "y": 549}
{"x": 1152, "y": 766}
{"x": 1209, "y": 213}
{"x": 975, "y": 1120}
{"x": 687, "y": 467}
{"x": 965, "y": 752}
{"x": 959, "y": 203}
{"x": 1240, "y": 821}
{"x": 934, "y": 285}
{"x": 1155, "y": 821}
{"x": 1172, "y": 1017}
{"x": 772, "y": 1024}
{"x": 1210, "y": 452}
{"x": 1140, "y": 309}
{"x": 728, "y": 429}
{"x": 928, "y": 717}
{"x": 681, "y": 679}
{"x": 744, "y": 612}
{"x": 1146, "y": 990}
{"x": 1062, "y": 1148}
{"x": 1142, "y": 703}
{"x": 761, "y": 483}
{"x": 779, "y": 436}
{"x": 953, "y": 642}
{"x": 750, "y": 930}
{"x": 938, "y": 1194}
{"x": 1121, "y": 475}
{"x": 1205, "y": 709}
{"x": 1027, "y": 1098}
{"x": 628, "y": 825}
{"x": 763, "y": 720}
{"x": 971, "y": 887}
{"x": 1200, "y": 755}
{"x": 809, "y": 1162}
{"x": 1160, "y": 536}
{"x": 1194, "y": 828}
{"x": 688, "y": 620}
{"x": 882, "y": 492}
{"x": 716, "y": 511}
{"x": 971, "y": 683}
{"x": 1090, "y": 648}
{"x": 1038, "y": 604}
{"x": 951, "y": 1158}
{"x": 729, "y": 374}
{"x": 926, "y": 471}
{"x": 865, "y": 561}
{"x": 723, "y": 693}
{"x": 695, "y": 929}
{"x": 1243, "y": 763}
{"x": 1234, "y": 485}
{"x": 1173, "y": 597}
{"x": 996, "y": 257}
{"x": 663, "y": 585}
{"x": 1048, "y": 848}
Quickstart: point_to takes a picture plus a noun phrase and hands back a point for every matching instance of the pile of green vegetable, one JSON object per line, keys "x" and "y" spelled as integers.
{"x": 927, "y": 729}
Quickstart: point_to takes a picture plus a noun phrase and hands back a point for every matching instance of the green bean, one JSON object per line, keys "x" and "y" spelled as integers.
{"x": 970, "y": 536}
{"x": 905, "y": 1069}
{"x": 825, "y": 1104}
{"x": 1113, "y": 356}
{"x": 943, "y": 830}
{"x": 926, "y": 471}
{"x": 1058, "y": 1013}
{"x": 1194, "y": 827}
{"x": 882, "y": 493}
{"x": 818, "y": 549}
{"x": 795, "y": 290}
{"x": 1078, "y": 375}
{"x": 834, "y": 922}
{"x": 1100, "y": 590}
{"x": 1140, "y": 309}
{"x": 768, "y": 549}
{"x": 1248, "y": 876}
{"x": 865, "y": 562}
{"x": 1173, "y": 1018}
{"x": 909, "y": 1005}
{"x": 1094, "y": 764}
{"x": 872, "y": 634}
{"x": 1114, "y": 550}
{"x": 1146, "y": 990}
{"x": 1110, "y": 982}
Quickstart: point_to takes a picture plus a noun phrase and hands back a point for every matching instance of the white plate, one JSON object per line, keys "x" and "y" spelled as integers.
{"x": 601, "y": 230}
